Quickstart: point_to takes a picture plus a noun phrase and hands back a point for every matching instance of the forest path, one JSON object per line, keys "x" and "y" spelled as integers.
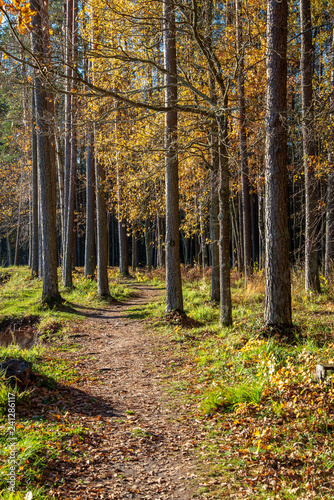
{"x": 139, "y": 448}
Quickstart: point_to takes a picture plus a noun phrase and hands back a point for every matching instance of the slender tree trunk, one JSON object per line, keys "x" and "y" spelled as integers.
{"x": 312, "y": 281}
{"x": 90, "y": 207}
{"x": 101, "y": 232}
{"x": 262, "y": 239}
{"x": 278, "y": 289}
{"x": 224, "y": 219}
{"x": 214, "y": 159}
{"x": 255, "y": 228}
{"x": 174, "y": 300}
{"x": 133, "y": 266}
{"x": 9, "y": 256}
{"x": 214, "y": 212}
{"x": 34, "y": 193}
{"x": 70, "y": 144}
{"x": 50, "y": 292}
{"x": 329, "y": 255}
{"x": 60, "y": 176}
{"x": 123, "y": 248}
{"x": 148, "y": 237}
{"x": 160, "y": 260}
{"x": 18, "y": 232}
{"x": 246, "y": 204}
{"x": 235, "y": 232}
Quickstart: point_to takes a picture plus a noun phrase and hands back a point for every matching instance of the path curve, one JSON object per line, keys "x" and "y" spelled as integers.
{"x": 139, "y": 450}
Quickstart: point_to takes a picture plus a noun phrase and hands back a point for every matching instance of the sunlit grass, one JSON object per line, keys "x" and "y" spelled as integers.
{"x": 20, "y": 296}
{"x": 258, "y": 391}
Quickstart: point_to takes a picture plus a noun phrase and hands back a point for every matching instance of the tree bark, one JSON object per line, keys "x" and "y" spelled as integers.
{"x": 133, "y": 259}
{"x": 174, "y": 299}
{"x": 246, "y": 204}
{"x": 312, "y": 282}
{"x": 278, "y": 289}
{"x": 90, "y": 207}
{"x": 9, "y": 256}
{"x": 329, "y": 255}
{"x": 214, "y": 212}
{"x": 34, "y": 193}
{"x": 123, "y": 248}
{"x": 70, "y": 143}
{"x": 18, "y": 232}
{"x": 224, "y": 223}
{"x": 50, "y": 293}
{"x": 101, "y": 232}
{"x": 148, "y": 237}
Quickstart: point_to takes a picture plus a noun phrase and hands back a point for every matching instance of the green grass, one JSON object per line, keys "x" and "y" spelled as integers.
{"x": 44, "y": 427}
{"x": 21, "y": 296}
{"x": 268, "y": 424}
{"x": 41, "y": 435}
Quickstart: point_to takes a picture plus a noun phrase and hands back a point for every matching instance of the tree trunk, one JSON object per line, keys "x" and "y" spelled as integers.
{"x": 47, "y": 182}
{"x": 70, "y": 144}
{"x": 262, "y": 239}
{"x": 18, "y": 231}
{"x": 34, "y": 193}
{"x": 224, "y": 219}
{"x": 329, "y": 255}
{"x": 246, "y": 204}
{"x": 123, "y": 248}
{"x": 133, "y": 259}
{"x": 90, "y": 207}
{"x": 278, "y": 289}
{"x": 312, "y": 281}
{"x": 101, "y": 232}
{"x": 9, "y": 256}
{"x": 148, "y": 237}
{"x": 174, "y": 300}
{"x": 160, "y": 229}
{"x": 214, "y": 212}
{"x": 255, "y": 228}
{"x": 235, "y": 233}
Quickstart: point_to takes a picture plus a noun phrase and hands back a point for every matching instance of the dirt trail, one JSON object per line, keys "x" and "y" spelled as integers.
{"x": 139, "y": 450}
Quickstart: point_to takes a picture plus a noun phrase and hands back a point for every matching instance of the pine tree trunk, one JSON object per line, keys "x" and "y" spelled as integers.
{"x": 90, "y": 207}
{"x": 224, "y": 219}
{"x": 50, "y": 293}
{"x": 123, "y": 248}
{"x": 101, "y": 232}
{"x": 312, "y": 281}
{"x": 148, "y": 237}
{"x": 278, "y": 288}
{"x": 262, "y": 239}
{"x": 18, "y": 232}
{"x": 174, "y": 300}
{"x": 246, "y": 204}
{"x": 9, "y": 256}
{"x": 329, "y": 254}
{"x": 214, "y": 212}
{"x": 70, "y": 144}
{"x": 34, "y": 194}
{"x": 133, "y": 263}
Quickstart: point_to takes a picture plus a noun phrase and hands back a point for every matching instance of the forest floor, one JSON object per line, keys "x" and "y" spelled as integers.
{"x": 137, "y": 444}
{"x": 126, "y": 402}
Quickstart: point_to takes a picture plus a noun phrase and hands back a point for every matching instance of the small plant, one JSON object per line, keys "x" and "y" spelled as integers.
{"x": 139, "y": 432}
{"x": 5, "y": 390}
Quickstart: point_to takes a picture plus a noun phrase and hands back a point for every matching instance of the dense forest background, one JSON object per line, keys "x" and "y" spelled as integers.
{"x": 148, "y": 133}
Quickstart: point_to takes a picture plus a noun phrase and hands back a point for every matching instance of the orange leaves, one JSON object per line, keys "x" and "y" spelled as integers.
{"x": 21, "y": 11}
